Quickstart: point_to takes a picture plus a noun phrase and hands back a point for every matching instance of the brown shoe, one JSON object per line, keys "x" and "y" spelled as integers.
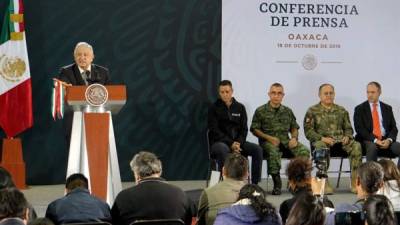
{"x": 353, "y": 182}
{"x": 328, "y": 188}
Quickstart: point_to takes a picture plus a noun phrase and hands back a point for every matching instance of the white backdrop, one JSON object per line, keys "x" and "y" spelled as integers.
{"x": 256, "y": 54}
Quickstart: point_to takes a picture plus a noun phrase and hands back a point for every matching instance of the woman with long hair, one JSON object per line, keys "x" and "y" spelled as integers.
{"x": 307, "y": 210}
{"x": 379, "y": 211}
{"x": 391, "y": 186}
{"x": 251, "y": 208}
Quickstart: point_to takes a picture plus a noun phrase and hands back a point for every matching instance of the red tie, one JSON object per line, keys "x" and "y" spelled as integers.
{"x": 375, "y": 120}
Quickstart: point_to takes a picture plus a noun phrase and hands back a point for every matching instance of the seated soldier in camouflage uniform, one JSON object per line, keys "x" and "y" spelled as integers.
{"x": 272, "y": 123}
{"x": 327, "y": 125}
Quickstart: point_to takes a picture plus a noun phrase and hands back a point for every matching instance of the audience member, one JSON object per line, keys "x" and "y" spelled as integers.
{"x": 7, "y": 182}
{"x": 307, "y": 210}
{"x": 152, "y": 197}
{"x": 78, "y": 205}
{"x": 391, "y": 185}
{"x": 369, "y": 181}
{"x": 5, "y": 179}
{"x": 14, "y": 208}
{"x": 251, "y": 208}
{"x": 225, "y": 193}
{"x": 299, "y": 176}
{"x": 379, "y": 211}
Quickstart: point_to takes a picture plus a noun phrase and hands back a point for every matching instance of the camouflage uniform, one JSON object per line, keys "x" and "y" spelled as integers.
{"x": 335, "y": 123}
{"x": 278, "y": 123}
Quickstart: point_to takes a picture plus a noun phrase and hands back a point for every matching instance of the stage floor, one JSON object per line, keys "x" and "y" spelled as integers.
{"x": 41, "y": 195}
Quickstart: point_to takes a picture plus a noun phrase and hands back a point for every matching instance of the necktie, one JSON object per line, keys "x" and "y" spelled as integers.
{"x": 85, "y": 77}
{"x": 375, "y": 120}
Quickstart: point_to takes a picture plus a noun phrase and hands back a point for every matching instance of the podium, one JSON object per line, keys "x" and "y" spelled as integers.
{"x": 92, "y": 150}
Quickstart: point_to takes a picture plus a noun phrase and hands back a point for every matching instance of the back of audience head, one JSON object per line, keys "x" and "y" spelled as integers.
{"x": 299, "y": 173}
{"x": 390, "y": 171}
{"x": 307, "y": 210}
{"x": 13, "y": 204}
{"x": 235, "y": 167}
{"x": 379, "y": 211}
{"x": 5, "y": 179}
{"x": 369, "y": 178}
{"x": 76, "y": 180}
{"x": 257, "y": 195}
{"x": 41, "y": 221}
{"x": 145, "y": 164}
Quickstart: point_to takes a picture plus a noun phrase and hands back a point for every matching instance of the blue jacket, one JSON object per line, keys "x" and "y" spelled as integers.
{"x": 242, "y": 215}
{"x": 78, "y": 206}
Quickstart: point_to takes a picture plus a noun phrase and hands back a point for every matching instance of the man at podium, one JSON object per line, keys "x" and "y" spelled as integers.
{"x": 89, "y": 129}
{"x": 83, "y": 71}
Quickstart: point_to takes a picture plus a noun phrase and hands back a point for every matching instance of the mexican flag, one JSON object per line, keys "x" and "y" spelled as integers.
{"x": 15, "y": 80}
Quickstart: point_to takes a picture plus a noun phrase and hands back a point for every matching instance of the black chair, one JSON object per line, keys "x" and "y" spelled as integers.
{"x": 159, "y": 222}
{"x": 213, "y": 164}
{"x": 89, "y": 223}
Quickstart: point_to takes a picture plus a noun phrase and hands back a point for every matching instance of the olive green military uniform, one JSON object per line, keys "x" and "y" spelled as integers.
{"x": 335, "y": 123}
{"x": 276, "y": 122}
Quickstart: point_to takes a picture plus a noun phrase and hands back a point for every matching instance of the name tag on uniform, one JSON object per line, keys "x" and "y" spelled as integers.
{"x": 236, "y": 114}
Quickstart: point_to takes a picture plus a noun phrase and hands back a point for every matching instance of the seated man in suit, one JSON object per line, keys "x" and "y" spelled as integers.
{"x": 152, "y": 197}
{"x": 375, "y": 124}
{"x": 83, "y": 71}
{"x": 327, "y": 125}
{"x": 227, "y": 125}
{"x": 78, "y": 205}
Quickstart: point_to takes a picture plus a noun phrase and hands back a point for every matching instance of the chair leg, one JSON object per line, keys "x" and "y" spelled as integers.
{"x": 340, "y": 172}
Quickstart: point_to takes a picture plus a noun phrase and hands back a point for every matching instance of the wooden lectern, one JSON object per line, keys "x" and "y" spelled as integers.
{"x": 92, "y": 149}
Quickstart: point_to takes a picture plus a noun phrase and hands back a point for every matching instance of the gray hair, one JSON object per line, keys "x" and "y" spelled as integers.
{"x": 145, "y": 164}
{"x": 85, "y": 44}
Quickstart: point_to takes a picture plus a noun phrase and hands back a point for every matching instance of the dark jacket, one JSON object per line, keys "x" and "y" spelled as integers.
{"x": 98, "y": 74}
{"x": 152, "y": 198}
{"x": 227, "y": 124}
{"x": 78, "y": 206}
{"x": 243, "y": 215}
{"x": 363, "y": 122}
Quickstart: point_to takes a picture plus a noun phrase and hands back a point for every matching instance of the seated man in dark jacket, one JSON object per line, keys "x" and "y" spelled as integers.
{"x": 78, "y": 205}
{"x": 152, "y": 197}
{"x": 227, "y": 125}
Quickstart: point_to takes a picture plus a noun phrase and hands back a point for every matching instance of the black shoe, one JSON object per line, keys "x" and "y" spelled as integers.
{"x": 276, "y": 191}
{"x": 276, "y": 178}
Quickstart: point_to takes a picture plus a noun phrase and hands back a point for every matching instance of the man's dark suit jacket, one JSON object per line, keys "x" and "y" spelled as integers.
{"x": 78, "y": 206}
{"x": 152, "y": 198}
{"x": 70, "y": 74}
{"x": 363, "y": 122}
